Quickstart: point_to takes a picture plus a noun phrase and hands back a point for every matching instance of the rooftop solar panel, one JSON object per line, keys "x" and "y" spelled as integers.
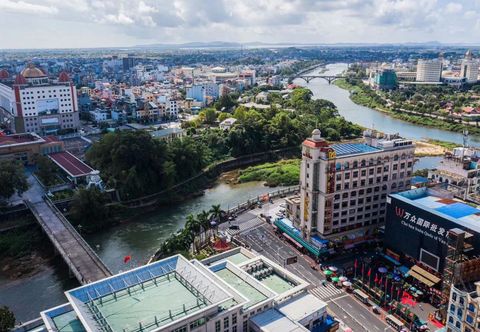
{"x": 345, "y": 149}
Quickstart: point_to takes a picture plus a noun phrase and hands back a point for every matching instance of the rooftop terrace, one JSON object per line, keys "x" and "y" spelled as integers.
{"x": 443, "y": 205}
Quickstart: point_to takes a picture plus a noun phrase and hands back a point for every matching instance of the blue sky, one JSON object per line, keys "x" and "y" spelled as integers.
{"x": 104, "y": 23}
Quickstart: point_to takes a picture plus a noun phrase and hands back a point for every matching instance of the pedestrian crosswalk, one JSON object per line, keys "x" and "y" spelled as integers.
{"x": 326, "y": 292}
{"x": 245, "y": 226}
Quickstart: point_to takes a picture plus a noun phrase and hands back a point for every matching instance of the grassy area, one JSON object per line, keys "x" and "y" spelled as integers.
{"x": 20, "y": 242}
{"x": 443, "y": 144}
{"x": 283, "y": 172}
{"x": 62, "y": 194}
{"x": 363, "y": 95}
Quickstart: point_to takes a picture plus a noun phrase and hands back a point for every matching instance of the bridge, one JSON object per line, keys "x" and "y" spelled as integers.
{"x": 82, "y": 261}
{"x": 328, "y": 78}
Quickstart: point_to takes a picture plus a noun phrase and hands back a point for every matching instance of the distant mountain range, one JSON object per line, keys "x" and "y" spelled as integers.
{"x": 223, "y": 44}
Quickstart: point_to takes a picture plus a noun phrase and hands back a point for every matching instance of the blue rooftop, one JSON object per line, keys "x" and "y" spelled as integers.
{"x": 345, "y": 149}
{"x": 453, "y": 209}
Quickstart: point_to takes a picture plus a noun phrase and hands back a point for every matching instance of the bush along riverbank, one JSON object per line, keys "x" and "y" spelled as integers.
{"x": 281, "y": 173}
{"x": 363, "y": 95}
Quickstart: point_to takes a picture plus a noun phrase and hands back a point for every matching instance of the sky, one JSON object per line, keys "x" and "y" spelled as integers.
{"x": 117, "y": 23}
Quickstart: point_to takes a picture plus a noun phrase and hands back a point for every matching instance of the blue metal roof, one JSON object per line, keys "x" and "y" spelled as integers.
{"x": 345, "y": 149}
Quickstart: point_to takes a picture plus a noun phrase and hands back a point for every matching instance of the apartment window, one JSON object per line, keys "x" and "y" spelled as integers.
{"x": 370, "y": 181}
{"x": 385, "y": 168}
{"x": 409, "y": 164}
{"x": 369, "y": 190}
{"x": 361, "y": 192}
{"x": 226, "y": 322}
{"x": 346, "y": 186}
{"x": 352, "y": 202}
{"x": 345, "y": 195}
{"x": 394, "y": 176}
{"x": 338, "y": 187}
{"x": 181, "y": 329}
{"x": 395, "y": 167}
{"x": 378, "y": 179}
{"x": 344, "y": 213}
{"x": 234, "y": 319}
{"x": 362, "y": 183}
{"x": 344, "y": 204}
{"x": 402, "y": 165}
{"x": 336, "y": 197}
{"x": 343, "y": 221}
{"x": 355, "y": 184}
{"x": 353, "y": 193}
{"x": 336, "y": 205}
{"x": 347, "y": 176}
{"x": 355, "y": 174}
{"x": 234, "y": 328}
{"x": 471, "y": 307}
{"x": 218, "y": 327}
{"x": 385, "y": 178}
{"x": 371, "y": 171}
{"x": 360, "y": 209}
{"x": 364, "y": 172}
{"x": 339, "y": 177}
{"x": 379, "y": 169}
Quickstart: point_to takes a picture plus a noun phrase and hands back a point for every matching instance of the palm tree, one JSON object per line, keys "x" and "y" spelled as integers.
{"x": 204, "y": 221}
{"x": 216, "y": 212}
{"x": 192, "y": 229}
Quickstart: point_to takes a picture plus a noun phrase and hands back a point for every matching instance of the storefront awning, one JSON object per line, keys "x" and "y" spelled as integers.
{"x": 423, "y": 276}
{"x": 292, "y": 240}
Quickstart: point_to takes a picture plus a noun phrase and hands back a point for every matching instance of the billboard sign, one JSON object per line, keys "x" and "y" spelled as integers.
{"x": 47, "y": 106}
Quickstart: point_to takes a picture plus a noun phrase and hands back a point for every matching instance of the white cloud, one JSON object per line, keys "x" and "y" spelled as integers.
{"x": 453, "y": 8}
{"x": 26, "y": 7}
{"x": 306, "y": 21}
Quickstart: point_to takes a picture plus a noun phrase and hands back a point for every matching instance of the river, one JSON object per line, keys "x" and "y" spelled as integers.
{"x": 140, "y": 238}
{"x": 368, "y": 117}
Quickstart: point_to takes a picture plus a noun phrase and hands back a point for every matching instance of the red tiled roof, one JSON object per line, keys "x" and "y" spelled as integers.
{"x": 70, "y": 164}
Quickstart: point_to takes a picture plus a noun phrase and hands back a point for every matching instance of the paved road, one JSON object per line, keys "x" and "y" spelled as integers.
{"x": 262, "y": 239}
{"x": 354, "y": 313}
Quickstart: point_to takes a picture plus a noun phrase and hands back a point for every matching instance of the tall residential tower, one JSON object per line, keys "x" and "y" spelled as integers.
{"x": 343, "y": 187}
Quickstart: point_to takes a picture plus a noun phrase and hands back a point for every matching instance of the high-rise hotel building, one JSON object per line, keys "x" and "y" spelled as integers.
{"x": 344, "y": 187}
{"x": 33, "y": 102}
{"x": 429, "y": 70}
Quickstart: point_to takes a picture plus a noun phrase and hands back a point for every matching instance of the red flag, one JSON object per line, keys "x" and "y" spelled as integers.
{"x": 127, "y": 259}
{"x": 355, "y": 264}
{"x": 369, "y": 272}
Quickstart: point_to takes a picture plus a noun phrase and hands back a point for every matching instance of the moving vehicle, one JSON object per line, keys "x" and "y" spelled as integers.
{"x": 361, "y": 296}
{"x": 394, "y": 322}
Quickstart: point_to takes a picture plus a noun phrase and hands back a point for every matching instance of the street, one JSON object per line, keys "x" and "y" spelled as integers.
{"x": 261, "y": 238}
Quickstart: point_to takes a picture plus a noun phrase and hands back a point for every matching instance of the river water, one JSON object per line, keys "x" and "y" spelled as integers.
{"x": 140, "y": 238}
{"x": 368, "y": 117}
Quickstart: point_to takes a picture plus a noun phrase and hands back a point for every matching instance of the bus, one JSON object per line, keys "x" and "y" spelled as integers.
{"x": 395, "y": 322}
{"x": 361, "y": 296}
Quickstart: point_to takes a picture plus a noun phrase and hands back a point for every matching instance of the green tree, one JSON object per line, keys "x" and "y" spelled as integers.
{"x": 12, "y": 179}
{"x": 7, "y": 319}
{"x": 223, "y": 116}
{"x": 46, "y": 170}
{"x": 89, "y": 209}
{"x": 216, "y": 212}
{"x": 210, "y": 115}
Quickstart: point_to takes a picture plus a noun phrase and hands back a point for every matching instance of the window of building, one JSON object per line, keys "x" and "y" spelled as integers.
{"x": 364, "y": 172}
{"x": 395, "y": 167}
{"x": 355, "y": 174}
{"x": 345, "y": 195}
{"x": 181, "y": 329}
{"x": 469, "y": 319}
{"x": 346, "y": 186}
{"x": 471, "y": 307}
{"x": 371, "y": 171}
{"x": 218, "y": 327}
{"x": 226, "y": 322}
{"x": 347, "y": 175}
{"x": 352, "y": 202}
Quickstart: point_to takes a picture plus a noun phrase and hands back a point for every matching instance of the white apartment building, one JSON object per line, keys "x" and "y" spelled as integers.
{"x": 469, "y": 69}
{"x": 463, "y": 309}
{"x": 343, "y": 187}
{"x": 39, "y": 104}
{"x": 429, "y": 70}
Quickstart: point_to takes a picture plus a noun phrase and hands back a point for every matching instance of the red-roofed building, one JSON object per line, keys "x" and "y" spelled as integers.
{"x": 24, "y": 147}
{"x": 76, "y": 169}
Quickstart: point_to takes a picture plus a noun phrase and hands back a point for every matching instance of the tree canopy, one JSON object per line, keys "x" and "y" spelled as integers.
{"x": 12, "y": 179}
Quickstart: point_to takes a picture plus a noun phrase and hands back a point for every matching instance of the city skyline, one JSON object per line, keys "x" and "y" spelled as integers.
{"x": 92, "y": 23}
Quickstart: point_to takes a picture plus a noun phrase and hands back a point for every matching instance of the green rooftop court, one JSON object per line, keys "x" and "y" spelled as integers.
{"x": 238, "y": 258}
{"x": 242, "y": 286}
{"x": 147, "y": 298}
{"x": 68, "y": 322}
{"x": 276, "y": 283}
{"x": 147, "y": 306}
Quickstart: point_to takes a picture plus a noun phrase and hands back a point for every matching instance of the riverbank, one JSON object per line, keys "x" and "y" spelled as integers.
{"x": 360, "y": 96}
{"x": 23, "y": 252}
{"x": 285, "y": 172}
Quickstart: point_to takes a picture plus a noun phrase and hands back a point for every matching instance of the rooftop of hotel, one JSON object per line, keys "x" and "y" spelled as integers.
{"x": 444, "y": 205}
